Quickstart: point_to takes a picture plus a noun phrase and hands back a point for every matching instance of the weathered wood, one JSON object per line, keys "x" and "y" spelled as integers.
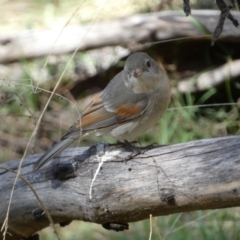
{"x": 127, "y": 31}
{"x": 212, "y": 78}
{"x": 190, "y": 176}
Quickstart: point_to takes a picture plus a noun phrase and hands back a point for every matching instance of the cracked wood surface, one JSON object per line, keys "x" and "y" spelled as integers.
{"x": 129, "y": 187}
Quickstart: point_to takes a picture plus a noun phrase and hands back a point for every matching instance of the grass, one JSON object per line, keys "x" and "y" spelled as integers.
{"x": 210, "y": 224}
{"x": 183, "y": 122}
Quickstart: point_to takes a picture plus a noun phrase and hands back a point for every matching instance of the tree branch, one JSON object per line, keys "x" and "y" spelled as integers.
{"x": 127, "y": 31}
{"x": 129, "y": 187}
{"x": 212, "y": 78}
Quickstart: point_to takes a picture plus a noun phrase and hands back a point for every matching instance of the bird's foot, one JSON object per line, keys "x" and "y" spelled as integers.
{"x": 133, "y": 146}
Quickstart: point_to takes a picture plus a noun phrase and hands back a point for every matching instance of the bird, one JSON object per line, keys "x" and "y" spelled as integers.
{"x": 132, "y": 102}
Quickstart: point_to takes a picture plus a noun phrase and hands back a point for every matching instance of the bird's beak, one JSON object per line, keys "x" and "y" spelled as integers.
{"x": 137, "y": 73}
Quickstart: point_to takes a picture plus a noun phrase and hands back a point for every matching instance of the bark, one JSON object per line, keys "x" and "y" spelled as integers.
{"x": 128, "y": 32}
{"x": 129, "y": 187}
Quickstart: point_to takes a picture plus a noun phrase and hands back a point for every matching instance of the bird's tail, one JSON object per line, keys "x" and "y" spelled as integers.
{"x": 56, "y": 149}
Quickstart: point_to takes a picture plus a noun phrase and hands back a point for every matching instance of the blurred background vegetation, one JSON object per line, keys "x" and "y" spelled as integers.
{"x": 21, "y": 103}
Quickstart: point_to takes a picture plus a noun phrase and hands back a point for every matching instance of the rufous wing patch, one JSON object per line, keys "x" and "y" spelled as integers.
{"x": 95, "y": 113}
{"x": 93, "y": 118}
{"x": 128, "y": 110}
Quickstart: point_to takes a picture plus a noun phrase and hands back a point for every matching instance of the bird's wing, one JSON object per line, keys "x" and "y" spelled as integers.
{"x": 116, "y": 104}
{"x": 96, "y": 116}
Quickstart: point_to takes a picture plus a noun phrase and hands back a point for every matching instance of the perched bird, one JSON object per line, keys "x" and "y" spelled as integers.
{"x": 133, "y": 101}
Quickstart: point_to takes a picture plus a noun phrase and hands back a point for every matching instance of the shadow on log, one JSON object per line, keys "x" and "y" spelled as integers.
{"x": 129, "y": 186}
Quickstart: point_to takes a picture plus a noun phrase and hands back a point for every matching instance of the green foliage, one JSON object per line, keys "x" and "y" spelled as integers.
{"x": 206, "y": 225}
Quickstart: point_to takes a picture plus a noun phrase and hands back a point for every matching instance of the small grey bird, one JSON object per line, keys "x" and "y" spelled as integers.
{"x": 132, "y": 102}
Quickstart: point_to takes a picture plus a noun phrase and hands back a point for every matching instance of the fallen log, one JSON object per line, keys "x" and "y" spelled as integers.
{"x": 127, "y": 187}
{"x": 212, "y": 78}
{"x": 129, "y": 32}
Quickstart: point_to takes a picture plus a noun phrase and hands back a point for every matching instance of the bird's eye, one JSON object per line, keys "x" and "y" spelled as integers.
{"x": 148, "y": 63}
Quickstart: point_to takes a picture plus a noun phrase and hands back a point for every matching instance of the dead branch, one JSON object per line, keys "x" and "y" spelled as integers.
{"x": 129, "y": 187}
{"x": 129, "y": 32}
{"x": 212, "y": 78}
